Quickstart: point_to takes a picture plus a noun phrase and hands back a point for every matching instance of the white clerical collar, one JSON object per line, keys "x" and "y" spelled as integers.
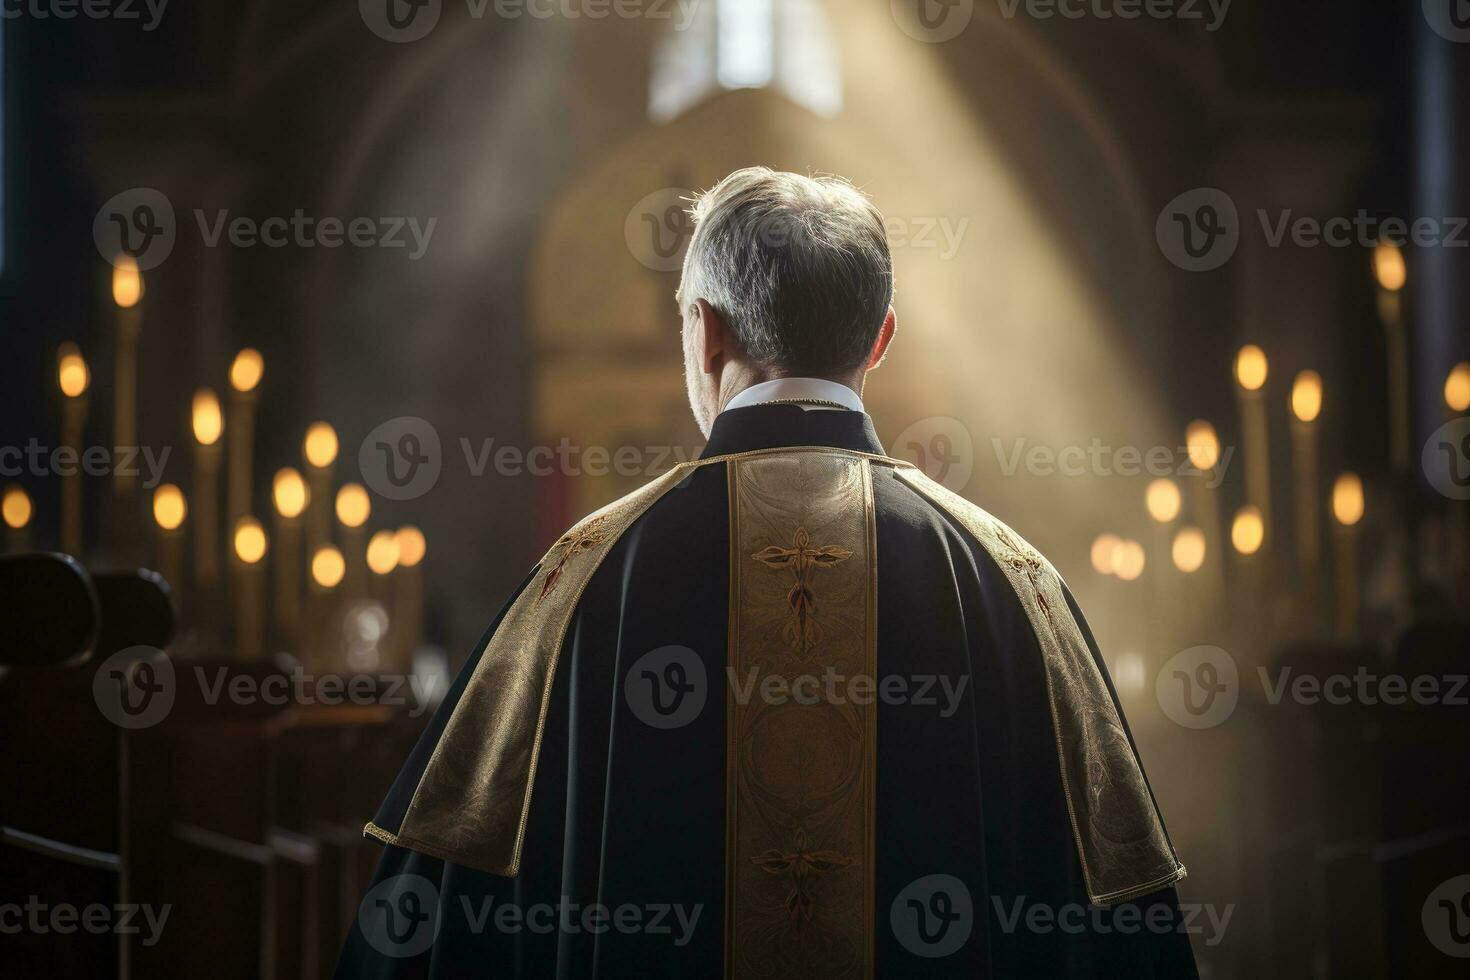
{"x": 799, "y": 391}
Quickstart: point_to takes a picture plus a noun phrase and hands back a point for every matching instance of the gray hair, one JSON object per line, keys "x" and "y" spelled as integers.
{"x": 798, "y": 268}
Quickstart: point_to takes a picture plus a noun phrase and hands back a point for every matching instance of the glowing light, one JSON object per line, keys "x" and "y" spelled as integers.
{"x": 207, "y": 418}
{"x": 1162, "y": 500}
{"x": 1130, "y": 676}
{"x": 353, "y": 505}
{"x": 16, "y": 506}
{"x": 1248, "y": 530}
{"x": 1128, "y": 560}
{"x": 1457, "y": 387}
{"x": 71, "y": 371}
{"x": 1306, "y": 396}
{"x": 1388, "y": 266}
{"x": 382, "y": 553}
{"x": 246, "y": 370}
{"x": 327, "y": 567}
{"x": 1347, "y": 499}
{"x": 1102, "y": 553}
{"x": 250, "y": 542}
{"x": 1189, "y": 549}
{"x": 169, "y": 507}
{"x": 1251, "y": 367}
{"x": 290, "y": 492}
{"x": 320, "y": 445}
{"x": 127, "y": 282}
{"x": 411, "y": 545}
{"x": 1204, "y": 445}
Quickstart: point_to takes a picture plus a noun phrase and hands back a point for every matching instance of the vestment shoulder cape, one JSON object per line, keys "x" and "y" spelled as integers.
{"x": 789, "y": 710}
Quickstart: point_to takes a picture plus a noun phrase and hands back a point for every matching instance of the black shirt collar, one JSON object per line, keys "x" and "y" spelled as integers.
{"x": 741, "y": 430}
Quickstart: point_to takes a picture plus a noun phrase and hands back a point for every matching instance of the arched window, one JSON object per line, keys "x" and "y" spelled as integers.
{"x": 787, "y": 45}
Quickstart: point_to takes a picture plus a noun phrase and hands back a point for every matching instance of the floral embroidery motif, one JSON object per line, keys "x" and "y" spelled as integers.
{"x": 802, "y": 631}
{"x": 802, "y": 867}
{"x": 579, "y": 539}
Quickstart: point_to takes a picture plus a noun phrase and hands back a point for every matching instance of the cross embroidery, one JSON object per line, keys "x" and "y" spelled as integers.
{"x": 801, "y": 867}
{"x": 579, "y": 539}
{"x": 802, "y": 631}
{"x": 1026, "y": 562}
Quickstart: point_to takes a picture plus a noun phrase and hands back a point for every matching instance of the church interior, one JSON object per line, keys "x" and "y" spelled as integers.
{"x": 323, "y": 321}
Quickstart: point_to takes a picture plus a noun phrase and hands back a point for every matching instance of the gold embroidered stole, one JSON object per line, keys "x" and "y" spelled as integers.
{"x": 800, "y": 763}
{"x": 1120, "y": 838}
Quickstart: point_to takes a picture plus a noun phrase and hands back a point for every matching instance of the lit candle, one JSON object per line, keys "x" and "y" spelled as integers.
{"x": 1347, "y": 509}
{"x": 327, "y": 569}
{"x": 382, "y": 559}
{"x": 1247, "y": 534}
{"x": 169, "y": 511}
{"x": 353, "y": 510}
{"x": 1457, "y": 389}
{"x": 127, "y": 291}
{"x": 1189, "y": 549}
{"x": 250, "y": 548}
{"x": 1250, "y": 375}
{"x": 1306, "y": 406}
{"x": 319, "y": 449}
{"x": 208, "y": 423}
{"x": 1391, "y": 273}
{"x": 1456, "y": 401}
{"x": 1203, "y": 446}
{"x": 409, "y": 595}
{"x": 1163, "y": 502}
{"x": 17, "y": 510}
{"x": 290, "y": 495}
{"x": 74, "y": 378}
{"x": 245, "y": 374}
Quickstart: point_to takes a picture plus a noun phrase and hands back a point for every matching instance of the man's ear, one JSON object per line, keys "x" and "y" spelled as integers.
{"x": 712, "y": 337}
{"x": 885, "y": 337}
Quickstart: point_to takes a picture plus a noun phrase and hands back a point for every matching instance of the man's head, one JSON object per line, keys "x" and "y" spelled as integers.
{"x": 785, "y": 276}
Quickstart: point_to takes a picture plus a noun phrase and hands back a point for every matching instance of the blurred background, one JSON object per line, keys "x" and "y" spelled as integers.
{"x": 322, "y": 321}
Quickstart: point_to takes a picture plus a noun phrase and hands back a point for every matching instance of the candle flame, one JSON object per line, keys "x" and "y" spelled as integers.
{"x": 169, "y": 507}
{"x": 1102, "y": 553}
{"x": 1162, "y": 500}
{"x": 290, "y": 492}
{"x": 353, "y": 505}
{"x": 1128, "y": 560}
{"x": 1251, "y": 367}
{"x": 411, "y": 546}
{"x": 16, "y": 507}
{"x": 72, "y": 373}
{"x": 1457, "y": 387}
{"x": 1248, "y": 531}
{"x": 1204, "y": 445}
{"x": 1388, "y": 266}
{"x": 1347, "y": 499}
{"x": 327, "y": 567}
{"x": 1306, "y": 396}
{"x": 246, "y": 370}
{"x": 382, "y": 553}
{"x": 320, "y": 446}
{"x": 206, "y": 417}
{"x": 127, "y": 282}
{"x": 250, "y": 540}
{"x": 1189, "y": 549}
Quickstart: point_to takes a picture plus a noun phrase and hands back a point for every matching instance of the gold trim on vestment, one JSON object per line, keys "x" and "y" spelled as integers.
{"x": 800, "y": 763}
